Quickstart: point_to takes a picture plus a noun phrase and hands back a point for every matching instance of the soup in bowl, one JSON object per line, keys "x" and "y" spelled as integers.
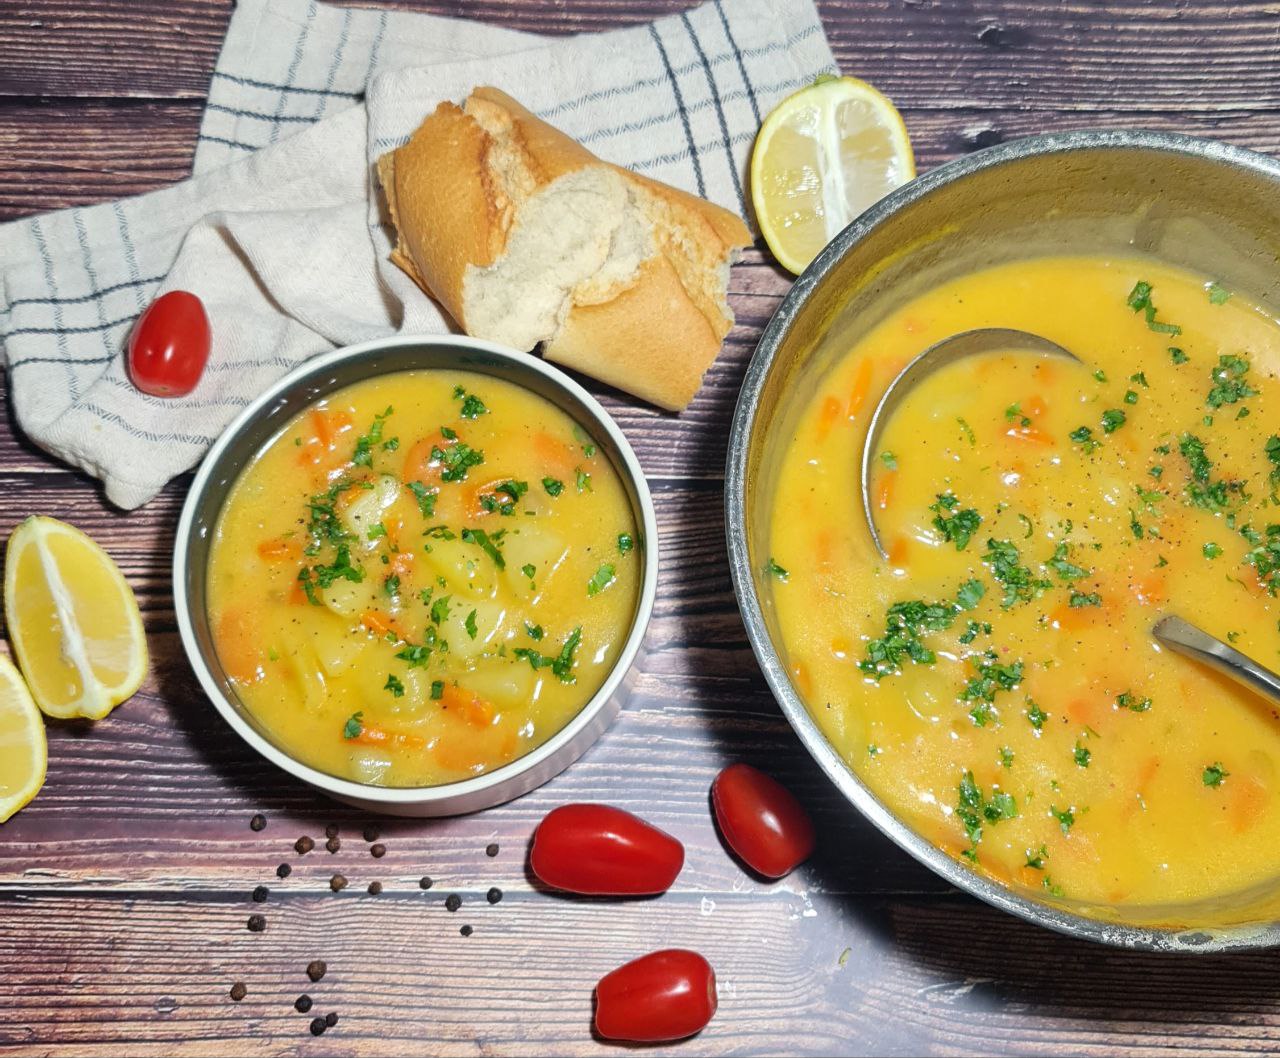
{"x": 417, "y": 573}
{"x": 989, "y": 690}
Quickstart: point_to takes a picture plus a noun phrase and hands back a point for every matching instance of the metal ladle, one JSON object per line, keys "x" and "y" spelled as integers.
{"x": 1178, "y": 635}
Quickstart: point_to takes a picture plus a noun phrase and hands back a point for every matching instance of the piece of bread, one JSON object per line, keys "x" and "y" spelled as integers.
{"x": 525, "y": 236}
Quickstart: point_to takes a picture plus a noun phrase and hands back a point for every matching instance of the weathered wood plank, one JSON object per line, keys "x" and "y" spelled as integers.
{"x": 920, "y": 978}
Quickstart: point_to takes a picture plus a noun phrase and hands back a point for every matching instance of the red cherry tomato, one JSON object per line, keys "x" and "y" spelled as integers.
{"x": 603, "y": 851}
{"x": 667, "y": 995}
{"x": 761, "y": 820}
{"x": 170, "y": 345}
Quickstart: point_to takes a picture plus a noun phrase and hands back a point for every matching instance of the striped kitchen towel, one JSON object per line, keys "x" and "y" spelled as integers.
{"x": 280, "y": 231}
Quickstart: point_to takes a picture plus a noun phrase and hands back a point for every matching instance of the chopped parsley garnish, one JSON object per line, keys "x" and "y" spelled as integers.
{"x": 1112, "y": 420}
{"x": 960, "y": 526}
{"x": 1036, "y": 858}
{"x": 561, "y": 665}
{"x": 967, "y": 430}
{"x": 905, "y": 622}
{"x": 340, "y": 569}
{"x": 470, "y": 624}
{"x": 1006, "y": 757}
{"x": 437, "y": 690}
{"x": 440, "y": 610}
{"x": 625, "y": 543}
{"x": 416, "y": 655}
{"x": 1079, "y": 598}
{"x": 601, "y": 579}
{"x": 1229, "y": 385}
{"x": 1065, "y": 816}
{"x": 1214, "y": 774}
{"x": 889, "y": 460}
{"x": 583, "y": 480}
{"x": 1211, "y": 550}
{"x": 973, "y": 629}
{"x": 1135, "y": 526}
{"x": 354, "y": 727}
{"x": 504, "y": 497}
{"x": 1272, "y": 449}
{"x": 583, "y": 438}
{"x": 1063, "y": 566}
{"x": 426, "y": 498}
{"x": 553, "y": 486}
{"x": 363, "y": 456}
{"x": 529, "y": 570}
{"x": 534, "y": 631}
{"x": 1013, "y": 413}
{"x": 973, "y": 809}
{"x": 1082, "y": 755}
{"x": 376, "y": 531}
{"x": 1083, "y": 436}
{"x": 970, "y": 594}
{"x": 394, "y": 686}
{"x": 1130, "y": 396}
{"x": 775, "y": 570}
{"x": 456, "y": 459}
{"x": 472, "y": 406}
{"x": 1264, "y": 556}
{"x": 1035, "y": 715}
{"x": 1218, "y": 294}
{"x": 1177, "y": 355}
{"x": 485, "y": 542}
{"x": 1139, "y": 377}
{"x": 1100, "y": 375}
{"x": 992, "y": 678}
{"x": 439, "y": 532}
{"x": 1201, "y": 491}
{"x": 1140, "y": 301}
{"x": 1128, "y": 700}
{"x": 1020, "y": 585}
{"x": 392, "y": 585}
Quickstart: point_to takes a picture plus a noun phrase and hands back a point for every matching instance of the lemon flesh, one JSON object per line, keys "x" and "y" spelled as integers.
{"x": 822, "y": 157}
{"x": 73, "y": 621}
{"x": 23, "y": 753}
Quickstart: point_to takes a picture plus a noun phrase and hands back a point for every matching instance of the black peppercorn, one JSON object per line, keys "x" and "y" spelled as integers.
{"x": 316, "y": 969}
{"x": 378, "y": 851}
{"x": 331, "y": 1019}
{"x": 491, "y": 850}
{"x": 466, "y": 931}
{"x": 318, "y": 1026}
{"x": 425, "y": 883}
{"x": 260, "y": 894}
{"x": 258, "y": 822}
{"x": 257, "y": 923}
{"x": 371, "y": 834}
{"x": 337, "y": 883}
{"x": 452, "y": 902}
{"x": 331, "y": 831}
{"x": 283, "y": 871}
{"x": 375, "y": 888}
{"x": 238, "y": 991}
{"x": 494, "y": 895}
{"x": 303, "y": 845}
{"x": 333, "y": 844}
{"x": 302, "y": 1004}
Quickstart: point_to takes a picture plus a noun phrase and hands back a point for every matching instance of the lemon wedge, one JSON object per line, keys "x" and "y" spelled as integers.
{"x": 73, "y": 621}
{"x": 822, "y": 156}
{"x": 23, "y": 753}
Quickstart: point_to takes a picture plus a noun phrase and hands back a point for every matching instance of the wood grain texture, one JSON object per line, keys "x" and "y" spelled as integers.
{"x": 124, "y": 887}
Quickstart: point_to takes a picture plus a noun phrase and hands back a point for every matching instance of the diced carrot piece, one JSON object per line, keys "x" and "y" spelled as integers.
{"x": 861, "y": 387}
{"x": 419, "y": 464}
{"x": 372, "y": 735}
{"x": 884, "y": 488}
{"x": 899, "y": 550}
{"x": 401, "y": 563}
{"x": 1247, "y": 800}
{"x": 1085, "y": 711}
{"x": 476, "y": 711}
{"x": 1149, "y": 590}
{"x": 827, "y": 416}
{"x": 476, "y": 495}
{"x": 238, "y": 643}
{"x": 279, "y": 549}
{"x": 1030, "y": 434}
{"x": 555, "y": 455}
{"x": 380, "y": 623}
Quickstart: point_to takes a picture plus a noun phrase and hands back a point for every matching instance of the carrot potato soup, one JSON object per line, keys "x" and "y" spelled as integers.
{"x": 422, "y": 578}
{"x": 996, "y": 682}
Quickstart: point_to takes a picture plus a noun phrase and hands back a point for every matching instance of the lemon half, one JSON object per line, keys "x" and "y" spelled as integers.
{"x": 73, "y": 621}
{"x": 822, "y": 156}
{"x": 23, "y": 753}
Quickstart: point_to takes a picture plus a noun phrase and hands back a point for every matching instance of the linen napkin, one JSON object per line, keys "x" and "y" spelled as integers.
{"x": 281, "y": 230}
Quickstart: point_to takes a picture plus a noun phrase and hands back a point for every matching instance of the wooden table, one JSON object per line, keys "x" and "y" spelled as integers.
{"x": 125, "y": 888}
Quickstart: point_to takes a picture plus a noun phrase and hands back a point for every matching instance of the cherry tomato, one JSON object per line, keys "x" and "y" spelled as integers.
{"x": 667, "y": 995}
{"x": 169, "y": 346}
{"x": 761, "y": 820}
{"x": 603, "y": 851}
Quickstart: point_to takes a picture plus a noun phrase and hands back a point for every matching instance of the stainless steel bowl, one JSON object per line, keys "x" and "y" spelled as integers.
{"x": 1202, "y": 205}
{"x": 263, "y": 419}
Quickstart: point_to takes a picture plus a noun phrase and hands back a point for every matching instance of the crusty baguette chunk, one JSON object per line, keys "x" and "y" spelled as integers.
{"x": 525, "y": 237}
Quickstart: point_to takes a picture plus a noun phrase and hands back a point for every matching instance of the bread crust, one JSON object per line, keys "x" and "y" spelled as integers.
{"x": 455, "y": 191}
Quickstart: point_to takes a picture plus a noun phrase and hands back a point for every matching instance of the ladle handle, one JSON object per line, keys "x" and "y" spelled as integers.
{"x": 1187, "y": 639}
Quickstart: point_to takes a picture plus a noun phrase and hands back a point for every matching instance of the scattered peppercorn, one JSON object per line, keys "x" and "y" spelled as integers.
{"x": 303, "y": 845}
{"x": 238, "y": 991}
{"x": 318, "y": 1026}
{"x": 371, "y": 834}
{"x": 283, "y": 871}
{"x": 466, "y": 931}
{"x": 316, "y": 969}
{"x": 375, "y": 888}
{"x": 491, "y": 850}
{"x": 425, "y": 883}
{"x": 378, "y": 851}
{"x": 494, "y": 895}
{"x": 260, "y": 894}
{"x": 302, "y": 1004}
{"x": 333, "y": 844}
{"x": 257, "y": 923}
{"x": 331, "y": 831}
{"x": 258, "y": 822}
{"x": 452, "y": 902}
{"x": 337, "y": 883}
{"x": 331, "y": 1019}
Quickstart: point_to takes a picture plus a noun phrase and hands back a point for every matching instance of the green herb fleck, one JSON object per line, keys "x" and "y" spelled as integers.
{"x": 553, "y": 486}
{"x": 534, "y": 631}
{"x": 1218, "y": 294}
{"x": 889, "y": 460}
{"x": 1004, "y": 561}
{"x": 437, "y": 690}
{"x": 1214, "y": 774}
{"x": 1081, "y": 755}
{"x": 470, "y": 624}
{"x": 1211, "y": 550}
{"x": 960, "y": 526}
{"x": 485, "y": 542}
{"x": 1112, "y": 420}
{"x": 775, "y": 570}
{"x": 1035, "y": 715}
{"x": 394, "y": 686}
{"x": 363, "y": 456}
{"x": 1128, "y": 700}
{"x": 1229, "y": 385}
{"x": 354, "y": 727}
{"x": 1177, "y": 355}
{"x": 601, "y": 579}
{"x": 625, "y": 543}
{"x": 1140, "y": 301}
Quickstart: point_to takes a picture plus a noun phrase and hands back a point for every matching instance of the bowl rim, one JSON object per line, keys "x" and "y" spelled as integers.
{"x": 350, "y": 790}
{"x": 1143, "y": 938}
